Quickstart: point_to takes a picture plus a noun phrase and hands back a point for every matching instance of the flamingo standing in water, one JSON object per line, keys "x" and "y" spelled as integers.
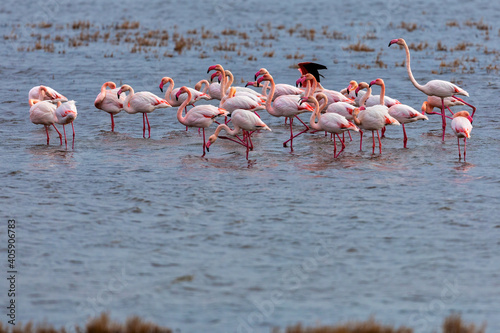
{"x": 43, "y": 113}
{"x": 245, "y": 120}
{"x": 44, "y": 93}
{"x": 332, "y": 123}
{"x": 462, "y": 126}
{"x": 108, "y": 101}
{"x": 171, "y": 93}
{"x": 285, "y": 106}
{"x": 66, "y": 113}
{"x": 403, "y": 113}
{"x": 437, "y": 88}
{"x": 280, "y": 89}
{"x": 200, "y": 116}
{"x": 143, "y": 102}
{"x": 372, "y": 118}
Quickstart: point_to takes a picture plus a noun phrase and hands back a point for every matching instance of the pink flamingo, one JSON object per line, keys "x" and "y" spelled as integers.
{"x": 403, "y": 113}
{"x": 203, "y": 87}
{"x": 242, "y": 91}
{"x": 437, "y": 88}
{"x": 245, "y": 120}
{"x": 236, "y": 102}
{"x": 372, "y": 118}
{"x": 171, "y": 93}
{"x": 44, "y": 93}
{"x": 373, "y": 99}
{"x": 43, "y": 113}
{"x": 200, "y": 116}
{"x": 143, "y": 102}
{"x": 330, "y": 122}
{"x": 435, "y": 102}
{"x": 285, "y": 106}
{"x": 66, "y": 113}
{"x": 281, "y": 88}
{"x": 108, "y": 101}
{"x": 462, "y": 126}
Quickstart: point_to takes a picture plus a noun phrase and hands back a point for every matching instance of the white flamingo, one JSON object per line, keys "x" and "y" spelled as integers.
{"x": 170, "y": 94}
{"x": 143, "y": 102}
{"x": 462, "y": 127}
{"x": 43, "y": 113}
{"x": 66, "y": 113}
{"x": 437, "y": 88}
{"x": 44, "y": 93}
{"x": 108, "y": 101}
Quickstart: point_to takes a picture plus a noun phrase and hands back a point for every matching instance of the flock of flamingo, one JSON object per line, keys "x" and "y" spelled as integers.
{"x": 351, "y": 109}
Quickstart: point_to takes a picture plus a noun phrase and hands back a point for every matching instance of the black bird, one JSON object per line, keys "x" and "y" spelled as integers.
{"x": 311, "y": 67}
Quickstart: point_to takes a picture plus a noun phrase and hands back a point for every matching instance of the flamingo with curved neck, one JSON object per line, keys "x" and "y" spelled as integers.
{"x": 330, "y": 122}
{"x": 43, "y": 113}
{"x": 45, "y": 93}
{"x": 285, "y": 106}
{"x": 200, "y": 116}
{"x": 107, "y": 101}
{"x": 439, "y": 88}
{"x": 171, "y": 93}
{"x": 243, "y": 120}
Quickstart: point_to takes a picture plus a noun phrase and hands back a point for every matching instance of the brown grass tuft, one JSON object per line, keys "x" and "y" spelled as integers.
{"x": 358, "y": 47}
{"x": 369, "y": 326}
{"x": 128, "y": 25}
{"x": 454, "y": 324}
{"x": 408, "y": 26}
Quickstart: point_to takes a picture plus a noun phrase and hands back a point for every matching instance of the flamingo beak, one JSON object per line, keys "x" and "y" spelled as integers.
{"x": 357, "y": 90}
{"x": 256, "y": 75}
{"x": 394, "y": 41}
{"x": 118, "y": 93}
{"x": 208, "y": 145}
{"x": 161, "y": 87}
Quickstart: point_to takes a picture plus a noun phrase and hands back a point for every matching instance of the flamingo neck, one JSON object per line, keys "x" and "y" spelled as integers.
{"x": 222, "y": 87}
{"x": 314, "y": 114}
{"x": 269, "y": 106}
{"x": 126, "y": 103}
{"x": 408, "y": 69}
{"x": 168, "y": 93}
{"x": 365, "y": 96}
{"x": 355, "y": 117}
{"x": 227, "y": 129}
{"x": 382, "y": 94}
{"x": 180, "y": 118}
{"x": 202, "y": 83}
{"x": 264, "y": 88}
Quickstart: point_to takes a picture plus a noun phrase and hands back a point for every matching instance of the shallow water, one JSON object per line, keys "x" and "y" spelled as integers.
{"x": 148, "y": 227}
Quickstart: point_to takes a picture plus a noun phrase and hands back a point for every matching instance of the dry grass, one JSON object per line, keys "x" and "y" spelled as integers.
{"x": 480, "y": 25}
{"x": 418, "y": 47}
{"x": 125, "y": 25}
{"x": 441, "y": 47}
{"x": 408, "y": 26}
{"x": 269, "y": 54}
{"x": 452, "y": 24}
{"x": 103, "y": 324}
{"x": 358, "y": 47}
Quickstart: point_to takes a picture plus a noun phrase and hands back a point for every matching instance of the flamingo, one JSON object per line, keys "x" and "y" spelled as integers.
{"x": 200, "y": 116}
{"x": 462, "y": 126}
{"x": 373, "y": 99}
{"x": 285, "y": 106}
{"x": 66, "y": 113}
{"x": 206, "y": 85}
{"x": 43, "y": 113}
{"x": 330, "y": 122}
{"x": 110, "y": 102}
{"x": 403, "y": 113}
{"x": 236, "y": 102}
{"x": 333, "y": 96}
{"x": 281, "y": 88}
{"x": 437, "y": 88}
{"x": 171, "y": 93}
{"x": 245, "y": 120}
{"x": 435, "y": 102}
{"x": 242, "y": 91}
{"x": 372, "y": 118}
{"x": 143, "y": 102}
{"x": 44, "y": 93}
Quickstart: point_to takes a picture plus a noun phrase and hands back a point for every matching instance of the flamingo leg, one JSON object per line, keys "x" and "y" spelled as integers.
{"x": 373, "y": 139}
{"x": 342, "y": 142}
{"x": 47, "y": 131}
{"x": 383, "y": 131}
{"x": 405, "y": 138}
{"x": 349, "y": 132}
{"x": 143, "y": 125}
{"x": 149, "y": 126}
{"x": 443, "y": 117}
{"x": 245, "y": 135}
{"x": 73, "y": 127}
{"x": 450, "y": 110}
{"x": 203, "y": 143}
{"x": 360, "y": 140}
{"x": 465, "y": 147}
{"x": 60, "y": 135}
{"x": 230, "y": 139}
{"x": 249, "y": 135}
{"x": 379, "y": 144}
{"x": 334, "y": 148}
{"x": 432, "y": 112}
{"x": 472, "y": 106}
{"x": 296, "y": 135}
{"x": 112, "y": 123}
{"x": 459, "y": 155}
{"x": 65, "y": 140}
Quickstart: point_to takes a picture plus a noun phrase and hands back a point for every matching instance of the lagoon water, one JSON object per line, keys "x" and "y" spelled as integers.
{"x": 147, "y": 227}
